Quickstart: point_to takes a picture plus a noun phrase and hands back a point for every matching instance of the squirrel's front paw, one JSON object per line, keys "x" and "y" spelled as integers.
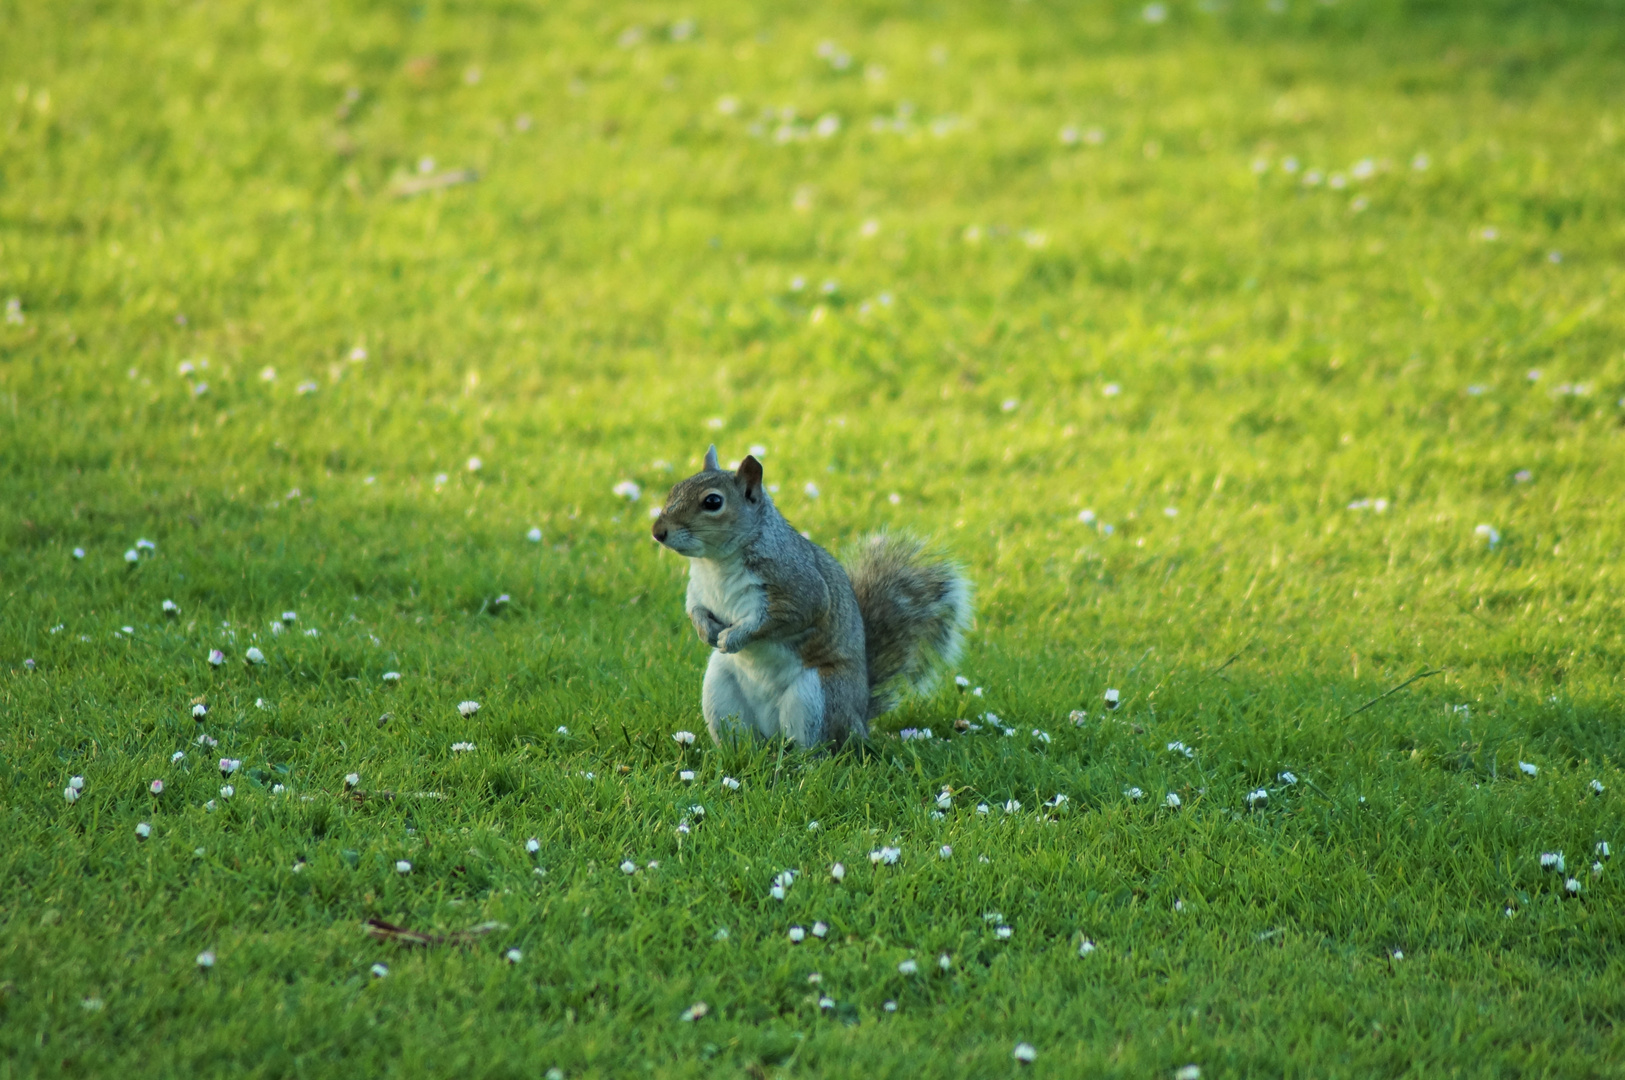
{"x": 732, "y": 640}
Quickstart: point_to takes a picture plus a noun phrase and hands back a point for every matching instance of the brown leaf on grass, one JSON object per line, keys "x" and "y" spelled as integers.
{"x": 401, "y": 935}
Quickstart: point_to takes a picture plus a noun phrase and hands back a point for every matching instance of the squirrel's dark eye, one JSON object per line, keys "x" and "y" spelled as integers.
{"x": 712, "y": 502}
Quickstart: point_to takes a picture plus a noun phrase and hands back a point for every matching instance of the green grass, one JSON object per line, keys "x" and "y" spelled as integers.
{"x": 217, "y": 185}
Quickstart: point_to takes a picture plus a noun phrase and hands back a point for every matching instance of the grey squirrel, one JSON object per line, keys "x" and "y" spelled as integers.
{"x": 804, "y": 647}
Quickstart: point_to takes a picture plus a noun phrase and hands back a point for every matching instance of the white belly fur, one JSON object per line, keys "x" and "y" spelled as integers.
{"x": 765, "y": 669}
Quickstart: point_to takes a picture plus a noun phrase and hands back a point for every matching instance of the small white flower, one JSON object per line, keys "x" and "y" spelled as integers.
{"x": 981, "y": 808}
{"x": 777, "y": 892}
{"x": 534, "y": 536}
{"x": 227, "y": 791}
{"x": 629, "y": 867}
{"x": 392, "y": 676}
{"x": 1003, "y": 933}
{"x": 838, "y": 872}
{"x": 684, "y": 738}
{"x": 513, "y": 956}
{"x": 908, "y": 967}
{"x": 199, "y": 711}
{"x": 1596, "y": 869}
{"x": 730, "y": 783}
{"x": 1012, "y": 807}
{"x": 229, "y": 765}
{"x": 819, "y": 929}
{"x": 1488, "y": 532}
{"x": 1086, "y": 948}
{"x": 686, "y": 776}
{"x": 1604, "y": 850}
{"x": 1255, "y": 798}
{"x": 290, "y": 616}
{"x": 797, "y": 934}
{"x": 1181, "y": 748}
{"x": 475, "y": 464}
{"x": 78, "y": 553}
{"x": 205, "y": 739}
{"x": 77, "y": 783}
{"x": 812, "y": 826}
{"x": 533, "y": 845}
{"x": 1288, "y": 778}
{"x": 205, "y": 959}
{"x": 946, "y": 851}
{"x": 157, "y": 786}
{"x": 1528, "y": 769}
{"x": 261, "y": 703}
{"x": 171, "y": 608}
{"x": 216, "y": 657}
{"x": 689, "y": 1015}
{"x": 1188, "y": 1072}
{"x": 1134, "y": 793}
{"x": 461, "y": 747}
{"x": 1573, "y": 886}
{"x": 1172, "y": 801}
{"x": 278, "y": 789}
{"x": 176, "y": 756}
{"x": 132, "y": 556}
{"x": 697, "y": 810}
{"x": 379, "y": 971}
{"x": 961, "y": 682}
{"x": 890, "y": 1006}
{"x": 628, "y": 490}
{"x": 254, "y": 656}
{"x": 71, "y": 794}
{"x": 143, "y": 830}
{"x": 1596, "y": 787}
{"x": 1399, "y": 954}
{"x": 945, "y": 799}
{"x": 1113, "y": 699}
{"x": 826, "y": 1003}
{"x": 1024, "y": 1052}
{"x": 352, "y": 780}
{"x": 563, "y": 730}
{"x": 1041, "y": 736}
{"x": 210, "y": 806}
{"x": 467, "y": 708}
{"x": 402, "y": 866}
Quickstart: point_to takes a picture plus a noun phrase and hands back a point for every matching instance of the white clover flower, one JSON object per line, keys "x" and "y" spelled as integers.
{"x": 946, "y": 851}
{"x": 1255, "y": 798}
{"x": 629, "y": 867}
{"x": 199, "y": 711}
{"x": 819, "y": 929}
{"x": 686, "y": 776}
{"x": 563, "y": 730}
{"x": 1113, "y": 699}
{"x": 1024, "y": 1052}
{"x": 1527, "y": 769}
{"x": 908, "y": 967}
{"x": 534, "y": 536}
{"x": 684, "y": 738}
{"x": 838, "y": 872}
{"x": 533, "y": 845}
{"x": 627, "y": 490}
{"x": 205, "y": 959}
{"x": 513, "y": 956}
{"x": 1172, "y": 801}
{"x": 1003, "y": 933}
{"x": 254, "y": 656}
{"x": 1086, "y": 947}
{"x": 392, "y": 676}
{"x": 216, "y": 658}
{"x": 1573, "y": 886}
{"x": 1134, "y": 793}
{"x": 466, "y": 709}
{"x": 171, "y": 608}
{"x": 379, "y": 970}
{"x": 278, "y": 789}
{"x": 229, "y": 765}
{"x": 1596, "y": 787}
{"x": 961, "y": 682}
{"x": 352, "y": 780}
{"x": 461, "y": 747}
{"x": 730, "y": 783}
{"x": 70, "y": 794}
{"x": 227, "y": 791}
{"x": 402, "y": 866}
{"x": 797, "y": 935}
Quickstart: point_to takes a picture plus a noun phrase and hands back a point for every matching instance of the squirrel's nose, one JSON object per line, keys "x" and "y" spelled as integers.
{"x": 661, "y": 532}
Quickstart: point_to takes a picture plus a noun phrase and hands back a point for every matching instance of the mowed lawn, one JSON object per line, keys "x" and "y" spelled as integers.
{"x": 1256, "y": 360}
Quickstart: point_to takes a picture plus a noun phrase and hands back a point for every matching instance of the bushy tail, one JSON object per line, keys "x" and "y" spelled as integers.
{"x": 915, "y": 606}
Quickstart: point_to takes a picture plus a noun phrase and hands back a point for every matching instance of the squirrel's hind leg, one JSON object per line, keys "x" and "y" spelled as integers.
{"x": 727, "y": 708}
{"x": 801, "y": 710}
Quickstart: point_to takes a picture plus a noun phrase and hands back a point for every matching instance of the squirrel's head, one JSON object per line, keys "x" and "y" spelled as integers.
{"x": 713, "y": 512}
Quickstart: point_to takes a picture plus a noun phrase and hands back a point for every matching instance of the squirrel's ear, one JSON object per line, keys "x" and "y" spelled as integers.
{"x": 750, "y": 475}
{"x": 711, "y": 459}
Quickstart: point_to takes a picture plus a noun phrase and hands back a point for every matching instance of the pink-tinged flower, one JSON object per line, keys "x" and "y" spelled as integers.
{"x": 156, "y": 787}
{"x": 216, "y": 657}
{"x": 229, "y": 765}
